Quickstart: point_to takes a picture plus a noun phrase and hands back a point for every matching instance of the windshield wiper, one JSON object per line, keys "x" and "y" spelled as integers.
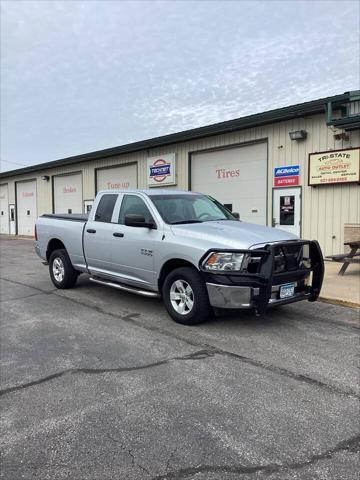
{"x": 186, "y": 221}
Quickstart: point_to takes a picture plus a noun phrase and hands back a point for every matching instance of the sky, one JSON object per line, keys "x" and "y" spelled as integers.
{"x": 78, "y": 76}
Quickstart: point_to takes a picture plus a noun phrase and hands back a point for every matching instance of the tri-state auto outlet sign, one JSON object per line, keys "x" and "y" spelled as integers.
{"x": 287, "y": 176}
{"x": 337, "y": 166}
{"x": 161, "y": 170}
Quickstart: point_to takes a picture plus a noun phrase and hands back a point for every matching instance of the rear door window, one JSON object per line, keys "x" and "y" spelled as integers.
{"x": 105, "y": 208}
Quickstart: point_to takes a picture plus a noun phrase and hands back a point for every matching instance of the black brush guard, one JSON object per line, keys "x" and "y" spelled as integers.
{"x": 267, "y": 277}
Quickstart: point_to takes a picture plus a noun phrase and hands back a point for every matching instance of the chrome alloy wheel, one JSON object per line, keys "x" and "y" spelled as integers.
{"x": 58, "y": 269}
{"x": 181, "y": 297}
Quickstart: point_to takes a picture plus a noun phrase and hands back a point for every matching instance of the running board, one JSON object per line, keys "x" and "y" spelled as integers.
{"x": 144, "y": 293}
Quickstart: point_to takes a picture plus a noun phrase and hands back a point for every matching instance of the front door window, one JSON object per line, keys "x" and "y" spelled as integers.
{"x": 134, "y": 205}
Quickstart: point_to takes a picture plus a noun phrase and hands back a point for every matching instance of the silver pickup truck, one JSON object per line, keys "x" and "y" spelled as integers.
{"x": 182, "y": 246}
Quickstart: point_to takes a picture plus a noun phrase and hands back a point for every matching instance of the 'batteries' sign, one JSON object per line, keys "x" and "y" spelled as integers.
{"x": 161, "y": 170}
{"x": 287, "y": 176}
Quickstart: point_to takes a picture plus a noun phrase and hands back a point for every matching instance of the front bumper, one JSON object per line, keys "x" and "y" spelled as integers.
{"x": 234, "y": 297}
{"x": 261, "y": 290}
{"x": 228, "y": 296}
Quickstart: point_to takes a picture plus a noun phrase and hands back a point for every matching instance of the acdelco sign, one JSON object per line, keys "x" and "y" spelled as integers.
{"x": 161, "y": 170}
{"x": 286, "y": 176}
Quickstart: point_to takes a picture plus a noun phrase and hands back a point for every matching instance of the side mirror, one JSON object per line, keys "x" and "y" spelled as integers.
{"x": 134, "y": 220}
{"x": 236, "y": 215}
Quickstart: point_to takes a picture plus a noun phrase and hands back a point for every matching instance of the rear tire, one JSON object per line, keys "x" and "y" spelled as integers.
{"x": 185, "y": 296}
{"x": 62, "y": 273}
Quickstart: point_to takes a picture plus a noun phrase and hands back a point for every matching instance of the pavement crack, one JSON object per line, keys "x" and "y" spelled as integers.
{"x": 288, "y": 373}
{"x": 129, "y": 451}
{"x": 41, "y": 290}
{"x": 133, "y": 319}
{"x": 351, "y": 445}
{"x": 199, "y": 355}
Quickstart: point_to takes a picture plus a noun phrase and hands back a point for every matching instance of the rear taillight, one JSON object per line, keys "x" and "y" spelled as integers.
{"x": 35, "y": 233}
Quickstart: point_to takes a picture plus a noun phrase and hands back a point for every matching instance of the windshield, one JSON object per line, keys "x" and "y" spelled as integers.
{"x": 177, "y": 209}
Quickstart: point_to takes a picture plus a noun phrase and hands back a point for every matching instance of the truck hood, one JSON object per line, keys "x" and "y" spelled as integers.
{"x": 232, "y": 234}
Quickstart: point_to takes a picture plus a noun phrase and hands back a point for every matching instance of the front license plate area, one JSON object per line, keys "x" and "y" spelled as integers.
{"x": 287, "y": 290}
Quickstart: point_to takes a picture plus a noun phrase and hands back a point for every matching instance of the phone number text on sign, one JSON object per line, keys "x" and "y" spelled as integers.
{"x": 340, "y": 166}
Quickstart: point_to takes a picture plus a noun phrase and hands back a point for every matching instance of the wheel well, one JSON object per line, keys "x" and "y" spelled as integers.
{"x": 169, "y": 266}
{"x": 54, "y": 244}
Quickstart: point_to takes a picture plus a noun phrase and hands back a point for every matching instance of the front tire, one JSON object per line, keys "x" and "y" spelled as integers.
{"x": 185, "y": 296}
{"x": 62, "y": 273}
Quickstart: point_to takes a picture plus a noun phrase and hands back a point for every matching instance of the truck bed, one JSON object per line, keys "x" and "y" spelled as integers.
{"x": 73, "y": 217}
{"x": 68, "y": 229}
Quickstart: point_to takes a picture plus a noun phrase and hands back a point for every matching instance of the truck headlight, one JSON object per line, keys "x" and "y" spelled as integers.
{"x": 224, "y": 261}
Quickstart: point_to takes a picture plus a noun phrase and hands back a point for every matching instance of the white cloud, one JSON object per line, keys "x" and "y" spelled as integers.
{"x": 80, "y": 76}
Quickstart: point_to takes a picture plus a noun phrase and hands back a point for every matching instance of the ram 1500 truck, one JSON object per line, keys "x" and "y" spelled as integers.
{"x": 182, "y": 246}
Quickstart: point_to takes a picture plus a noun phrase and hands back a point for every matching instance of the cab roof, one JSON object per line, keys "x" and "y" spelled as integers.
{"x": 150, "y": 191}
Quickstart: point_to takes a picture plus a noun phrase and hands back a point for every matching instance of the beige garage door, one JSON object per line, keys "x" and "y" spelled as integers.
{"x": 117, "y": 177}
{"x": 237, "y": 177}
{"x": 4, "y": 209}
{"x": 26, "y": 207}
{"x": 68, "y": 196}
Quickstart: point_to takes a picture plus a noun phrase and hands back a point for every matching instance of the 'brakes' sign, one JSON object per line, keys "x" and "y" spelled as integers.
{"x": 161, "y": 170}
{"x": 287, "y": 176}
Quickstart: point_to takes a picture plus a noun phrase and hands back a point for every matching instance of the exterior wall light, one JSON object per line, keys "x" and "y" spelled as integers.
{"x": 341, "y": 136}
{"x": 298, "y": 135}
{"x": 45, "y": 177}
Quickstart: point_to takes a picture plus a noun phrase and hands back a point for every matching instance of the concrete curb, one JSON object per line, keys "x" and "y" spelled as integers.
{"x": 339, "y": 301}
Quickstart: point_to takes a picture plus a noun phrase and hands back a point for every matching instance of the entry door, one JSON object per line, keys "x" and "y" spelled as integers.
{"x": 287, "y": 209}
{"x": 12, "y": 219}
{"x": 88, "y": 205}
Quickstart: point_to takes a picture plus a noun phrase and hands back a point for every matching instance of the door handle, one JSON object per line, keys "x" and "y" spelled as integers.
{"x": 91, "y": 230}
{"x": 118, "y": 234}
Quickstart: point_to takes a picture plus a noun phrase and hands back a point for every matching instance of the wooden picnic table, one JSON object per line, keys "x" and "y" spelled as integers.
{"x": 347, "y": 258}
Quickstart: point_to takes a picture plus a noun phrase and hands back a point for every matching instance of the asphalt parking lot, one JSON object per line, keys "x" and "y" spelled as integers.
{"x": 100, "y": 384}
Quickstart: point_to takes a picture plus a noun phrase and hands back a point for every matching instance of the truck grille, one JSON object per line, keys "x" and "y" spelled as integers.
{"x": 254, "y": 263}
{"x": 288, "y": 258}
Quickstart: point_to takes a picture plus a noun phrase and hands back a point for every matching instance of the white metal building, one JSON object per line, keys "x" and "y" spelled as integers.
{"x": 295, "y": 168}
